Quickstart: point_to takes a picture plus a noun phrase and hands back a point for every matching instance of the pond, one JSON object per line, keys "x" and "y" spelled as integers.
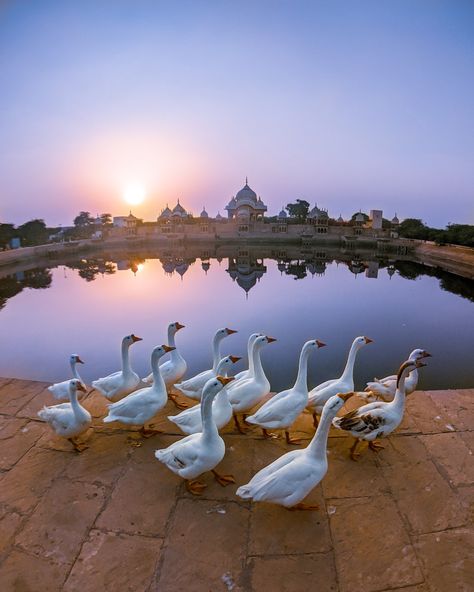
{"x": 86, "y": 305}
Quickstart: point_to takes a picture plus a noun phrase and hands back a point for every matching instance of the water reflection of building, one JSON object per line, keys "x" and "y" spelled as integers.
{"x": 246, "y": 271}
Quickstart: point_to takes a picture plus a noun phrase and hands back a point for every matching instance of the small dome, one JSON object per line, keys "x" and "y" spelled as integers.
{"x": 340, "y": 219}
{"x": 282, "y": 214}
{"x": 218, "y": 217}
{"x": 246, "y": 193}
{"x": 178, "y": 209}
{"x": 166, "y": 213}
{"x": 204, "y": 214}
{"x": 395, "y": 220}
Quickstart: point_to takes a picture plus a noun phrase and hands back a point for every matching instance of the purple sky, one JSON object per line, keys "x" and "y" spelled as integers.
{"x": 352, "y": 105}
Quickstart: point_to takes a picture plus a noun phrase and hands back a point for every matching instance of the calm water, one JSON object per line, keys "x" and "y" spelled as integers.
{"x": 87, "y": 305}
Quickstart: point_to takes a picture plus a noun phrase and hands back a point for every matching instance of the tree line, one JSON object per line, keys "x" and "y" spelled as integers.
{"x": 455, "y": 234}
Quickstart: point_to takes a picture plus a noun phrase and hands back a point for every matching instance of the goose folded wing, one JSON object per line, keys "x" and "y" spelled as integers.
{"x": 363, "y": 420}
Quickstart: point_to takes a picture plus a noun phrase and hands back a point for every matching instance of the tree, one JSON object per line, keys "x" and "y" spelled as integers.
{"x": 106, "y": 218}
{"x": 7, "y": 232}
{"x": 413, "y": 228}
{"x": 83, "y": 220}
{"x": 298, "y": 210}
{"x": 33, "y": 232}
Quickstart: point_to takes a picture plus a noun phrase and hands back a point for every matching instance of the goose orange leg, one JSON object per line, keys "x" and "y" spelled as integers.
{"x": 290, "y": 440}
{"x": 355, "y": 455}
{"x": 223, "y": 480}
{"x": 269, "y": 435}
{"x": 376, "y": 446}
{"x": 174, "y": 398}
{"x": 77, "y": 446}
{"x": 195, "y": 487}
{"x": 240, "y": 428}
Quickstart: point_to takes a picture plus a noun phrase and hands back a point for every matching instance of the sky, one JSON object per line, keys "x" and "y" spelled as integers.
{"x": 365, "y": 104}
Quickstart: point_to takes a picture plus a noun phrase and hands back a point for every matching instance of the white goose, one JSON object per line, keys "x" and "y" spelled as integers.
{"x": 69, "y": 420}
{"x": 189, "y": 420}
{"x": 140, "y": 406}
{"x": 175, "y": 368}
{"x": 121, "y": 383}
{"x": 386, "y": 387}
{"x": 60, "y": 390}
{"x": 247, "y": 373}
{"x": 192, "y": 387}
{"x": 290, "y": 478}
{"x": 195, "y": 454}
{"x": 321, "y": 393}
{"x": 379, "y": 419}
{"x": 281, "y": 411}
{"x": 248, "y": 392}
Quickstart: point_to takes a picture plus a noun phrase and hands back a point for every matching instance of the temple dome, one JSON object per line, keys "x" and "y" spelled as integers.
{"x": 204, "y": 214}
{"x": 246, "y": 193}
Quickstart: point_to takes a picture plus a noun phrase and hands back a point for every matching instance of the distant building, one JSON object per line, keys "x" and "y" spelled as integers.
{"x": 319, "y": 218}
{"x": 282, "y": 215}
{"x": 177, "y": 213}
{"x": 376, "y": 217}
{"x": 130, "y": 222}
{"x": 246, "y": 205}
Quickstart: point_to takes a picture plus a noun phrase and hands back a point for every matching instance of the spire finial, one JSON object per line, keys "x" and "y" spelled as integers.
{"x": 246, "y": 180}
{"x": 178, "y": 201}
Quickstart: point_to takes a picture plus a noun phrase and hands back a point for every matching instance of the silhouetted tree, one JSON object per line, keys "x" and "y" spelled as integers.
{"x": 298, "y": 210}
{"x": 7, "y": 232}
{"x": 84, "y": 219}
{"x": 33, "y": 232}
{"x": 106, "y": 218}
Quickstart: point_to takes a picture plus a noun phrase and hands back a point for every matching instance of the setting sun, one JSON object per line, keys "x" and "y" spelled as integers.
{"x": 134, "y": 194}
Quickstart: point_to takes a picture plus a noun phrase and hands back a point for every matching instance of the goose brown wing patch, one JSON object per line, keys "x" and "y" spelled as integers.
{"x": 368, "y": 422}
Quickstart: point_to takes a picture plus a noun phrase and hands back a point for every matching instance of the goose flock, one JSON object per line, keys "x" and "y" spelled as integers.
{"x": 222, "y": 397}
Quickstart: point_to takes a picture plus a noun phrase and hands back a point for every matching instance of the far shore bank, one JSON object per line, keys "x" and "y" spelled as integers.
{"x": 450, "y": 258}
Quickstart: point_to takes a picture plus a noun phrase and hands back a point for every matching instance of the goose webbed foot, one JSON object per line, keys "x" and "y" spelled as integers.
{"x": 376, "y": 446}
{"x": 195, "y": 487}
{"x": 240, "y": 428}
{"x": 174, "y": 398}
{"x": 149, "y": 432}
{"x": 303, "y": 506}
{"x": 290, "y": 440}
{"x": 269, "y": 435}
{"x": 78, "y": 446}
{"x": 223, "y": 480}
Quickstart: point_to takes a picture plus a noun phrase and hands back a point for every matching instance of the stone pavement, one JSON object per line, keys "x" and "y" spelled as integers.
{"x": 113, "y": 518}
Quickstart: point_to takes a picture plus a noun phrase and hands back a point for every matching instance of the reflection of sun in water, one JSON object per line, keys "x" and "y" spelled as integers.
{"x": 134, "y": 194}
{"x": 140, "y": 266}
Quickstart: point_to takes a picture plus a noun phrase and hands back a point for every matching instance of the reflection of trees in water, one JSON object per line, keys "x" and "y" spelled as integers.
{"x": 449, "y": 282}
{"x": 89, "y": 269}
{"x": 11, "y": 285}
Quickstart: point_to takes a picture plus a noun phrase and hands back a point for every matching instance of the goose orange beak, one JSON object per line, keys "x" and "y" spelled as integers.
{"x": 78, "y": 360}
{"x": 368, "y": 340}
{"x": 135, "y": 338}
{"x": 426, "y": 354}
{"x": 168, "y": 348}
{"x": 225, "y": 379}
{"x": 320, "y": 343}
{"x": 179, "y": 326}
{"x": 230, "y": 331}
{"x": 345, "y": 396}
{"x": 234, "y": 359}
{"x": 81, "y": 387}
{"x": 270, "y": 339}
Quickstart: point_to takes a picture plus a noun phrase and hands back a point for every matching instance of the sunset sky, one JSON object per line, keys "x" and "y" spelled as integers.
{"x": 350, "y": 104}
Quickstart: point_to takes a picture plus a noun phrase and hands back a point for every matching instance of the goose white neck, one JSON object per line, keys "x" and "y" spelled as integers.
{"x": 158, "y": 382}
{"x": 75, "y": 405}
{"x": 348, "y": 373}
{"x": 258, "y": 372}
{"x": 75, "y": 372}
{"x": 209, "y": 428}
{"x": 216, "y": 350}
{"x": 318, "y": 445}
{"x": 174, "y": 355}
{"x": 302, "y": 378}
{"x": 250, "y": 349}
{"x": 126, "y": 368}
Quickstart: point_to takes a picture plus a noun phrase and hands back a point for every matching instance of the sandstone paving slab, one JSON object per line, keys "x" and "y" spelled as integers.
{"x": 23, "y": 485}
{"x": 456, "y": 406}
{"x": 447, "y": 559}
{"x": 21, "y": 572}
{"x": 426, "y": 415}
{"x": 454, "y": 455}
{"x": 17, "y": 393}
{"x": 114, "y": 562}
{"x": 9, "y": 426}
{"x": 294, "y": 573}
{"x": 203, "y": 546}
{"x": 102, "y": 462}
{"x": 367, "y": 528}
{"x": 36, "y": 403}
{"x": 346, "y": 478}
{"x": 61, "y": 521}
{"x": 424, "y": 497}
{"x": 141, "y": 500}
{"x": 17, "y": 445}
{"x": 10, "y": 523}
